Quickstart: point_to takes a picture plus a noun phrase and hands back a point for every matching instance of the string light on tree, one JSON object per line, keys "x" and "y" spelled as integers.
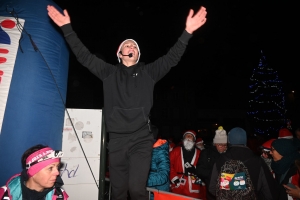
{"x": 267, "y": 103}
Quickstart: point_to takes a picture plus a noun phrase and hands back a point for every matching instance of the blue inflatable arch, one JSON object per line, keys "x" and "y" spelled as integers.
{"x": 32, "y": 109}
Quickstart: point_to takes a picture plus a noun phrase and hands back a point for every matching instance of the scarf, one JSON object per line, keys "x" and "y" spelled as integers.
{"x": 268, "y": 161}
{"x": 188, "y": 155}
{"x": 282, "y": 165}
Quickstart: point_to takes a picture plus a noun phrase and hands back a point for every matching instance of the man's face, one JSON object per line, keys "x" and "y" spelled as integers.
{"x": 129, "y": 47}
{"x": 298, "y": 134}
{"x": 189, "y": 136}
{"x": 265, "y": 154}
{"x": 188, "y": 141}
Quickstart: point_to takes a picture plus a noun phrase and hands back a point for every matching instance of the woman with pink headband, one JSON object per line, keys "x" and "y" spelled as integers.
{"x": 39, "y": 179}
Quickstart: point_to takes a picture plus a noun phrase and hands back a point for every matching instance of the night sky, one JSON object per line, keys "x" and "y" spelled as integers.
{"x": 220, "y": 57}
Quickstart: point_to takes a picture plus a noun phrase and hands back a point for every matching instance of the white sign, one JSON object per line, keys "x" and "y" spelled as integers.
{"x": 76, "y": 174}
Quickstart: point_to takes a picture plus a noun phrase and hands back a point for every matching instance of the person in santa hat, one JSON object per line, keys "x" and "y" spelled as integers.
{"x": 183, "y": 160}
{"x": 200, "y": 143}
{"x": 128, "y": 98}
{"x": 265, "y": 152}
{"x": 285, "y": 133}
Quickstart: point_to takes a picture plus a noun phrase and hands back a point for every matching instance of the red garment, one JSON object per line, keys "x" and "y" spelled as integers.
{"x": 294, "y": 180}
{"x": 167, "y": 196}
{"x": 186, "y": 187}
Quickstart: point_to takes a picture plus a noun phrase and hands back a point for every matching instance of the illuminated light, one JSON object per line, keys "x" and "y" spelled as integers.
{"x": 267, "y": 103}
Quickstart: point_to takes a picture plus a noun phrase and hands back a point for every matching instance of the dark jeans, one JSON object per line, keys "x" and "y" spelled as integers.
{"x": 129, "y": 164}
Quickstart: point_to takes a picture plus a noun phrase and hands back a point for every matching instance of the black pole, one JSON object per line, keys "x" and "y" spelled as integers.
{"x": 101, "y": 192}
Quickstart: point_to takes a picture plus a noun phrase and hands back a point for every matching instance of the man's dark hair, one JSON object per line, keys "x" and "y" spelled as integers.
{"x": 29, "y": 151}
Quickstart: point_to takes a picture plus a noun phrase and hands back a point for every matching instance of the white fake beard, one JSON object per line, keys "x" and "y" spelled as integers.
{"x": 188, "y": 144}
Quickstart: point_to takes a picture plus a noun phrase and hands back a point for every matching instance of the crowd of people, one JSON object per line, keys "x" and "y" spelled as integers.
{"x": 211, "y": 173}
{"x": 227, "y": 169}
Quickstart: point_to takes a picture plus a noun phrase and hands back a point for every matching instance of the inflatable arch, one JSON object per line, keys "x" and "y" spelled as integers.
{"x": 34, "y": 61}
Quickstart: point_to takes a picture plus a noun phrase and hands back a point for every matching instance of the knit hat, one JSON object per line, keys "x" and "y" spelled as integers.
{"x": 220, "y": 137}
{"x": 237, "y": 135}
{"x": 190, "y": 132}
{"x": 289, "y": 152}
{"x": 285, "y": 133}
{"x": 284, "y": 147}
{"x": 267, "y": 145}
{"x": 121, "y": 45}
{"x": 199, "y": 141}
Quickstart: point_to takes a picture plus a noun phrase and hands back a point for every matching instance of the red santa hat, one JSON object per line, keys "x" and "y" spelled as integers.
{"x": 285, "y": 133}
{"x": 193, "y": 133}
{"x": 199, "y": 141}
{"x": 267, "y": 145}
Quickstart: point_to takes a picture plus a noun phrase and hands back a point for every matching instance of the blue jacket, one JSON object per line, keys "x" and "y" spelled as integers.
{"x": 14, "y": 189}
{"x": 160, "y": 166}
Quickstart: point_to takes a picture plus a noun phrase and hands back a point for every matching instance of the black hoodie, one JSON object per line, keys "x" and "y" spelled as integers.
{"x": 128, "y": 91}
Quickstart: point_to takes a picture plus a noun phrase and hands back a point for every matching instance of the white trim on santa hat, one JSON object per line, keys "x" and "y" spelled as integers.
{"x": 286, "y": 137}
{"x": 199, "y": 142}
{"x": 189, "y": 132}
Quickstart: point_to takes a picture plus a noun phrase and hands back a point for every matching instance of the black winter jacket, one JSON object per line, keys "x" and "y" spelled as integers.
{"x": 205, "y": 163}
{"x": 264, "y": 184}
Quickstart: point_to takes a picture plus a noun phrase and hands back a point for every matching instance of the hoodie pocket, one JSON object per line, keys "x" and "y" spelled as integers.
{"x": 126, "y": 120}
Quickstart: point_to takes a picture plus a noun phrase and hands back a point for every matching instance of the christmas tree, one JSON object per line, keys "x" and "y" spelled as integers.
{"x": 267, "y": 103}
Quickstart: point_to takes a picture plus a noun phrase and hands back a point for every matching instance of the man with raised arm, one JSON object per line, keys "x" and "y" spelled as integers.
{"x": 128, "y": 98}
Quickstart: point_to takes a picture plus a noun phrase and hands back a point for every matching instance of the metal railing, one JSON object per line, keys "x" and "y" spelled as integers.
{"x": 150, "y": 190}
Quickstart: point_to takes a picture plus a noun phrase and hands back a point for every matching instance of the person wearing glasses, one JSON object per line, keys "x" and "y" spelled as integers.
{"x": 265, "y": 153}
{"x": 39, "y": 179}
{"x": 264, "y": 185}
{"x": 210, "y": 155}
{"x": 285, "y": 153}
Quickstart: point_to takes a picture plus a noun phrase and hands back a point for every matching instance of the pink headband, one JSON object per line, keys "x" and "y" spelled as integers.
{"x": 40, "y": 159}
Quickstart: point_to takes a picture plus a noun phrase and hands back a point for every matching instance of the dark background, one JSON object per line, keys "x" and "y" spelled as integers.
{"x": 220, "y": 57}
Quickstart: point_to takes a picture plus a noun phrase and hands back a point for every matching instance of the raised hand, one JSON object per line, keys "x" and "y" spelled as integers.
{"x": 196, "y": 21}
{"x": 57, "y": 17}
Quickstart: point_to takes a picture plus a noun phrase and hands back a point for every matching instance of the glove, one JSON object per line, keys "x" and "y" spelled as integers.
{"x": 190, "y": 170}
{"x": 176, "y": 182}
